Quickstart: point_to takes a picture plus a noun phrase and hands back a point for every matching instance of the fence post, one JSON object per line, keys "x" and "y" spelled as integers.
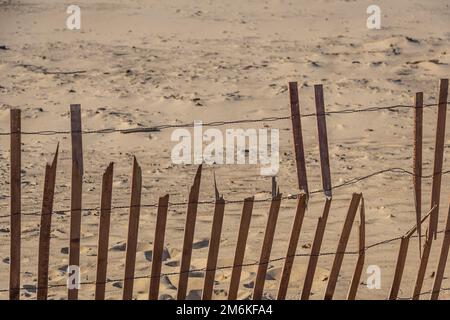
{"x": 76, "y": 192}
{"x": 240, "y": 248}
{"x": 189, "y": 236}
{"x": 133, "y": 228}
{"x": 417, "y": 166}
{"x": 340, "y": 252}
{"x": 362, "y": 253}
{"x": 45, "y": 228}
{"x": 438, "y": 155}
{"x": 15, "y": 185}
{"x": 327, "y": 189}
{"x": 214, "y": 244}
{"x": 292, "y": 247}
{"x": 298, "y": 138}
{"x": 158, "y": 247}
{"x": 103, "y": 232}
{"x": 266, "y": 247}
{"x": 442, "y": 260}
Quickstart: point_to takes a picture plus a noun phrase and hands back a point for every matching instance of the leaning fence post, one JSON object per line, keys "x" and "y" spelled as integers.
{"x": 340, "y": 252}
{"x": 292, "y": 247}
{"x": 76, "y": 195}
{"x": 362, "y": 253}
{"x": 45, "y": 228}
{"x": 103, "y": 232}
{"x": 189, "y": 236}
{"x": 266, "y": 247}
{"x": 240, "y": 248}
{"x": 133, "y": 228}
{"x": 298, "y": 138}
{"x": 158, "y": 247}
{"x": 327, "y": 189}
{"x": 214, "y": 244}
{"x": 438, "y": 155}
{"x": 442, "y": 260}
{"x": 417, "y": 166}
{"x": 15, "y": 185}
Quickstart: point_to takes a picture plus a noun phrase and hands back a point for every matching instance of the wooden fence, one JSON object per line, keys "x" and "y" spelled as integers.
{"x": 356, "y": 202}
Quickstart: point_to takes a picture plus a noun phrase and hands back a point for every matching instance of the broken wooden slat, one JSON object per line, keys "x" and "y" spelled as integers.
{"x": 15, "y": 183}
{"x": 417, "y": 166}
{"x": 399, "y": 268}
{"x": 213, "y": 251}
{"x": 189, "y": 236}
{"x": 292, "y": 247}
{"x": 298, "y": 138}
{"x": 158, "y": 247}
{"x": 45, "y": 228}
{"x": 315, "y": 251}
{"x": 133, "y": 228}
{"x": 442, "y": 260}
{"x": 76, "y": 192}
{"x": 423, "y": 266}
{"x": 103, "y": 232}
{"x": 340, "y": 252}
{"x": 266, "y": 247}
{"x": 402, "y": 257}
{"x": 362, "y": 253}
{"x": 439, "y": 154}
{"x": 323, "y": 140}
{"x": 240, "y": 248}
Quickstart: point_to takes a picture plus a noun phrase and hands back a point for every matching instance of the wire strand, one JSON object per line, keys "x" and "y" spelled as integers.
{"x": 214, "y": 123}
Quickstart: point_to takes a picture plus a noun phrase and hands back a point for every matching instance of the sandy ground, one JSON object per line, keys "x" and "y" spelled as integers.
{"x": 153, "y": 62}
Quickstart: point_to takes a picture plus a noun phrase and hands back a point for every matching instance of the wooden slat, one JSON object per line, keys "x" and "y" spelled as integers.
{"x": 323, "y": 140}
{"x": 15, "y": 185}
{"x": 362, "y": 253}
{"x": 292, "y": 247}
{"x": 298, "y": 138}
{"x": 45, "y": 228}
{"x": 213, "y": 251}
{"x": 442, "y": 260}
{"x": 103, "y": 232}
{"x": 315, "y": 251}
{"x": 439, "y": 154}
{"x": 399, "y": 268}
{"x": 342, "y": 245}
{"x": 402, "y": 257}
{"x": 76, "y": 191}
{"x": 266, "y": 247}
{"x": 240, "y": 248}
{"x": 133, "y": 228}
{"x": 417, "y": 165}
{"x": 423, "y": 266}
{"x": 189, "y": 230}
{"x": 158, "y": 247}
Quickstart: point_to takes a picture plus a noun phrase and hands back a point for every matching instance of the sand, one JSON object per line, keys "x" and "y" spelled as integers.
{"x": 148, "y": 63}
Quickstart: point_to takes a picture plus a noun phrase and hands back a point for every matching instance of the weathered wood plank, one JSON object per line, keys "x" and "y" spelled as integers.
{"x": 103, "y": 232}
{"x": 266, "y": 247}
{"x": 292, "y": 247}
{"x": 133, "y": 228}
{"x": 15, "y": 191}
{"x": 240, "y": 248}
{"x": 45, "y": 227}
{"x": 158, "y": 247}
{"x": 189, "y": 230}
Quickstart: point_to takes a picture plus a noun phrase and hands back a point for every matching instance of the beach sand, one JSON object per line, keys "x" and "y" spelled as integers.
{"x": 147, "y": 63}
